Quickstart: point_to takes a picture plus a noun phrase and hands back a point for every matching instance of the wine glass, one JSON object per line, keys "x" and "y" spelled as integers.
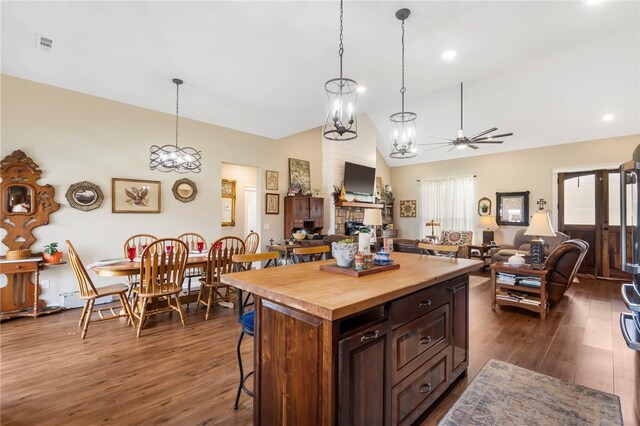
{"x": 131, "y": 253}
{"x": 200, "y": 246}
{"x": 169, "y": 248}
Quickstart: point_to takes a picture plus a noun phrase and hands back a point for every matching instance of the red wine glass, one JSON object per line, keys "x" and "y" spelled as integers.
{"x": 200, "y": 246}
{"x": 131, "y": 253}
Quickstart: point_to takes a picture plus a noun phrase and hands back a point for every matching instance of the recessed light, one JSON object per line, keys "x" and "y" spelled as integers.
{"x": 594, "y": 2}
{"x": 361, "y": 89}
{"x": 607, "y": 117}
{"x": 448, "y": 55}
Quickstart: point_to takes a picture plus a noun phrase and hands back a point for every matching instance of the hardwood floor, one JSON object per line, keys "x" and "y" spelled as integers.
{"x": 188, "y": 375}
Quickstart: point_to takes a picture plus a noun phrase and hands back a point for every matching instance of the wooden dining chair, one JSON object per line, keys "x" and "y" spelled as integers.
{"x": 251, "y": 243}
{"x": 240, "y": 262}
{"x": 439, "y": 250}
{"x": 162, "y": 268}
{"x": 310, "y": 254}
{"x": 90, "y": 293}
{"x": 191, "y": 239}
{"x": 219, "y": 262}
{"x": 140, "y": 242}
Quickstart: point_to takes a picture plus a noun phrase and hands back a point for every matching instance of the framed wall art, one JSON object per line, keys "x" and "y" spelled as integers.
{"x": 135, "y": 196}
{"x": 512, "y": 208}
{"x": 272, "y": 206}
{"x": 484, "y": 206}
{"x": 407, "y": 208}
{"x": 299, "y": 175}
{"x": 228, "y": 200}
{"x": 272, "y": 180}
{"x": 85, "y": 196}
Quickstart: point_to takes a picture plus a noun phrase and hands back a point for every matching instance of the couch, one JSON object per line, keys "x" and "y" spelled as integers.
{"x": 521, "y": 243}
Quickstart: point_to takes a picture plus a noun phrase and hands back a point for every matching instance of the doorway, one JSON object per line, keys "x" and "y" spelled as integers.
{"x": 589, "y": 209}
{"x": 250, "y": 209}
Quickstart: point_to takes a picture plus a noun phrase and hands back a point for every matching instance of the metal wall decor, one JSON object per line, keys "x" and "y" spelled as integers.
{"x": 172, "y": 158}
{"x": 185, "y": 190}
{"x": 342, "y": 93}
{"x": 85, "y": 196}
{"x": 403, "y": 123}
{"x": 512, "y": 208}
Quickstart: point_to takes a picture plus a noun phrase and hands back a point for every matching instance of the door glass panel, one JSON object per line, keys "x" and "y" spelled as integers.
{"x": 614, "y": 200}
{"x": 580, "y": 200}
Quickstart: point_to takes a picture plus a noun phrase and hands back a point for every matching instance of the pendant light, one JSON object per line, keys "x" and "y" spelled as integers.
{"x": 171, "y": 158}
{"x": 342, "y": 93}
{"x": 403, "y": 124}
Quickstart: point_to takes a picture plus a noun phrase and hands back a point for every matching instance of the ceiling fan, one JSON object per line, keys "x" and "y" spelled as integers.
{"x": 463, "y": 141}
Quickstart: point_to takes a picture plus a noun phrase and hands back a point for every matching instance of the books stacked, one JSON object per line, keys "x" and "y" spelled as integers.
{"x": 520, "y": 297}
{"x": 528, "y": 281}
{"x": 504, "y": 278}
{"x": 513, "y": 279}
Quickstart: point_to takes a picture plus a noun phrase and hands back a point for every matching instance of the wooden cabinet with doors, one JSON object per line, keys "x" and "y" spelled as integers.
{"x": 303, "y": 212}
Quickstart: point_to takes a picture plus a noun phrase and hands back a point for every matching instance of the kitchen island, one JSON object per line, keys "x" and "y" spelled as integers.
{"x": 378, "y": 349}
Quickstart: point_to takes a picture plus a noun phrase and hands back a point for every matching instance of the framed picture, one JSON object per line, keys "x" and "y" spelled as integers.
{"x": 513, "y": 208}
{"x": 272, "y": 180}
{"x": 272, "y": 205}
{"x": 85, "y": 196}
{"x": 299, "y": 175}
{"x": 135, "y": 196}
{"x": 407, "y": 208}
{"x": 228, "y": 201}
{"x": 484, "y": 206}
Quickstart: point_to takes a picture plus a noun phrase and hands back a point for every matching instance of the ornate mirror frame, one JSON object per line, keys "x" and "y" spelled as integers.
{"x": 180, "y": 191}
{"x": 17, "y": 169}
{"x": 84, "y": 186}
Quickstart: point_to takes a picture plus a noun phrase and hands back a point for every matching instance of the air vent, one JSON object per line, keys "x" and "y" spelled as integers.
{"x": 43, "y": 42}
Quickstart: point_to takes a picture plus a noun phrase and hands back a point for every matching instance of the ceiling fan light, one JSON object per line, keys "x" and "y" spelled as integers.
{"x": 461, "y": 146}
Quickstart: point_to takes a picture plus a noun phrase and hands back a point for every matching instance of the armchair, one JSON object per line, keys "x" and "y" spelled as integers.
{"x": 463, "y": 239}
{"x": 521, "y": 244}
{"x": 563, "y": 264}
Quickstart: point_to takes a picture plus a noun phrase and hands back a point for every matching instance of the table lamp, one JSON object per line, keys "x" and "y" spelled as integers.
{"x": 432, "y": 223}
{"x": 540, "y": 227}
{"x": 489, "y": 223}
{"x": 372, "y": 218}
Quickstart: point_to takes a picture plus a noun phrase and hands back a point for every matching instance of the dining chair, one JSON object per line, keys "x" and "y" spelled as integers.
{"x": 310, "y": 254}
{"x": 194, "y": 242}
{"x": 251, "y": 243}
{"x": 90, "y": 293}
{"x": 240, "y": 262}
{"x": 439, "y": 250}
{"x": 139, "y": 242}
{"x": 162, "y": 267}
{"x": 219, "y": 262}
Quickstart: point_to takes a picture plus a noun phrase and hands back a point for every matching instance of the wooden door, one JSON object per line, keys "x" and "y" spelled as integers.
{"x": 301, "y": 208}
{"x": 363, "y": 382}
{"x": 589, "y": 209}
{"x": 316, "y": 208}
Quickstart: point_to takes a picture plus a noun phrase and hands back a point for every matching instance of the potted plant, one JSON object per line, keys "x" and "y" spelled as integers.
{"x": 344, "y": 251}
{"x": 51, "y": 253}
{"x": 484, "y": 207}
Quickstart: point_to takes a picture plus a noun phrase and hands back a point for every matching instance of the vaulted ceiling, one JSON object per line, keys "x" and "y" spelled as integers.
{"x": 547, "y": 71}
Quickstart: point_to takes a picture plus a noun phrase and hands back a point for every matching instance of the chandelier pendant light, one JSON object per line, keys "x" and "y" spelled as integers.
{"x": 403, "y": 123}
{"x": 342, "y": 93}
{"x": 172, "y": 158}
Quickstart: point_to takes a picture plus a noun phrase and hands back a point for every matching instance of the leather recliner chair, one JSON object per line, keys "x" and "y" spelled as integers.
{"x": 563, "y": 264}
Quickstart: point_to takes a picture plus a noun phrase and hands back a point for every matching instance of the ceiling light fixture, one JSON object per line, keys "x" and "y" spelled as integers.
{"x": 448, "y": 55}
{"x": 342, "y": 93}
{"x": 171, "y": 158}
{"x": 403, "y": 124}
{"x": 361, "y": 89}
{"x": 607, "y": 117}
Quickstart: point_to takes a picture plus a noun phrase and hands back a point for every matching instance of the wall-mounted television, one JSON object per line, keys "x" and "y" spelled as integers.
{"x": 359, "y": 179}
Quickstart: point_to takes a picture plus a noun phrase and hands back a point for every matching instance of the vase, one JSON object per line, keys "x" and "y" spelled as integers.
{"x": 344, "y": 253}
{"x": 516, "y": 260}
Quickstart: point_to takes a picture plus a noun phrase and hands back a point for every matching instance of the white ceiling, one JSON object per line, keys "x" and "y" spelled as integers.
{"x": 547, "y": 71}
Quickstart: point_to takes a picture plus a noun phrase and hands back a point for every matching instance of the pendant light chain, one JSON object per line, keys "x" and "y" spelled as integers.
{"x": 177, "y": 103}
{"x": 403, "y": 89}
{"x": 341, "y": 49}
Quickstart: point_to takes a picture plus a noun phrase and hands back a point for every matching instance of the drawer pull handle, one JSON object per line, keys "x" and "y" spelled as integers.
{"x": 19, "y": 267}
{"x": 425, "y": 304}
{"x": 425, "y": 388}
{"x": 425, "y": 340}
{"x": 370, "y": 336}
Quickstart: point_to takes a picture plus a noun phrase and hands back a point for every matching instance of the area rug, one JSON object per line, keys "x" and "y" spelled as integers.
{"x": 476, "y": 281}
{"x": 504, "y": 394}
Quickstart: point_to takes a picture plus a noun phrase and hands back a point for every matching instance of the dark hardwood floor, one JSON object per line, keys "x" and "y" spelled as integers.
{"x": 188, "y": 375}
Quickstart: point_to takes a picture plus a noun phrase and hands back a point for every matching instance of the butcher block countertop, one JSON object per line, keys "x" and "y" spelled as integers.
{"x": 334, "y": 296}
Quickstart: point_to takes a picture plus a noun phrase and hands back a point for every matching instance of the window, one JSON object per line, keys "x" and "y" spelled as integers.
{"x": 449, "y": 201}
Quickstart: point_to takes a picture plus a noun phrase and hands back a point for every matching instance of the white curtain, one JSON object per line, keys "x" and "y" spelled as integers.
{"x": 449, "y": 201}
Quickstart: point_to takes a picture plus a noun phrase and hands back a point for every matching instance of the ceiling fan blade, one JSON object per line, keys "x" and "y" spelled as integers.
{"x": 435, "y": 147}
{"x": 478, "y": 142}
{"x": 434, "y": 143}
{"x": 472, "y": 146}
{"x": 452, "y": 148}
{"x": 494, "y": 136}
{"x": 493, "y": 129}
{"x": 444, "y": 139}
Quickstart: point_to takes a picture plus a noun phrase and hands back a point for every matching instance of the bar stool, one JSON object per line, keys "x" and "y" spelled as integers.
{"x": 247, "y": 328}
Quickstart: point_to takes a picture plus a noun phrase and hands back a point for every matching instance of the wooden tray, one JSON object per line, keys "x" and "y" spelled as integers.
{"x": 353, "y": 273}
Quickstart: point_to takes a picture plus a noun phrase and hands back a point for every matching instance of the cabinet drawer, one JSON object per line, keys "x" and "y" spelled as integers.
{"x": 417, "y": 341}
{"x": 298, "y": 223}
{"x": 15, "y": 267}
{"x": 417, "y": 304}
{"x": 411, "y": 397}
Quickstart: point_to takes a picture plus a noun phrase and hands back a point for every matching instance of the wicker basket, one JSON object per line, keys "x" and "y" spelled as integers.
{"x": 18, "y": 254}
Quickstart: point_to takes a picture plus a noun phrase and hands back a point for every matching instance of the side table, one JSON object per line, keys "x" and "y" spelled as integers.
{"x": 483, "y": 253}
{"x": 536, "y": 298}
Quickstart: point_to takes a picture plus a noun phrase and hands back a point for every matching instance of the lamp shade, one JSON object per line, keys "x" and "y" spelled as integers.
{"x": 488, "y": 222}
{"x": 540, "y": 225}
{"x": 372, "y": 217}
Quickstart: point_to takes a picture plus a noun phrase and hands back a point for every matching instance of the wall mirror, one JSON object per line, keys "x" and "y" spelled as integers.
{"x": 228, "y": 202}
{"x": 513, "y": 208}
{"x": 84, "y": 196}
{"x": 185, "y": 190}
{"x": 19, "y": 199}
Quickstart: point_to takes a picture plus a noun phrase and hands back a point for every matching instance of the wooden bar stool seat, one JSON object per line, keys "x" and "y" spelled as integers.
{"x": 310, "y": 254}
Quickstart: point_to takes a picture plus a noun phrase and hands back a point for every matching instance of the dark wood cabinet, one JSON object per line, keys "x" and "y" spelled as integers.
{"x": 363, "y": 378}
{"x": 303, "y": 212}
{"x": 460, "y": 324}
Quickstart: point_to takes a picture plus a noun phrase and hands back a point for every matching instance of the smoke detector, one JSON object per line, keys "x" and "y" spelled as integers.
{"x": 44, "y": 43}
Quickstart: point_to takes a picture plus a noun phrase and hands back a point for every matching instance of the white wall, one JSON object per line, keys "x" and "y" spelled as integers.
{"x": 244, "y": 177}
